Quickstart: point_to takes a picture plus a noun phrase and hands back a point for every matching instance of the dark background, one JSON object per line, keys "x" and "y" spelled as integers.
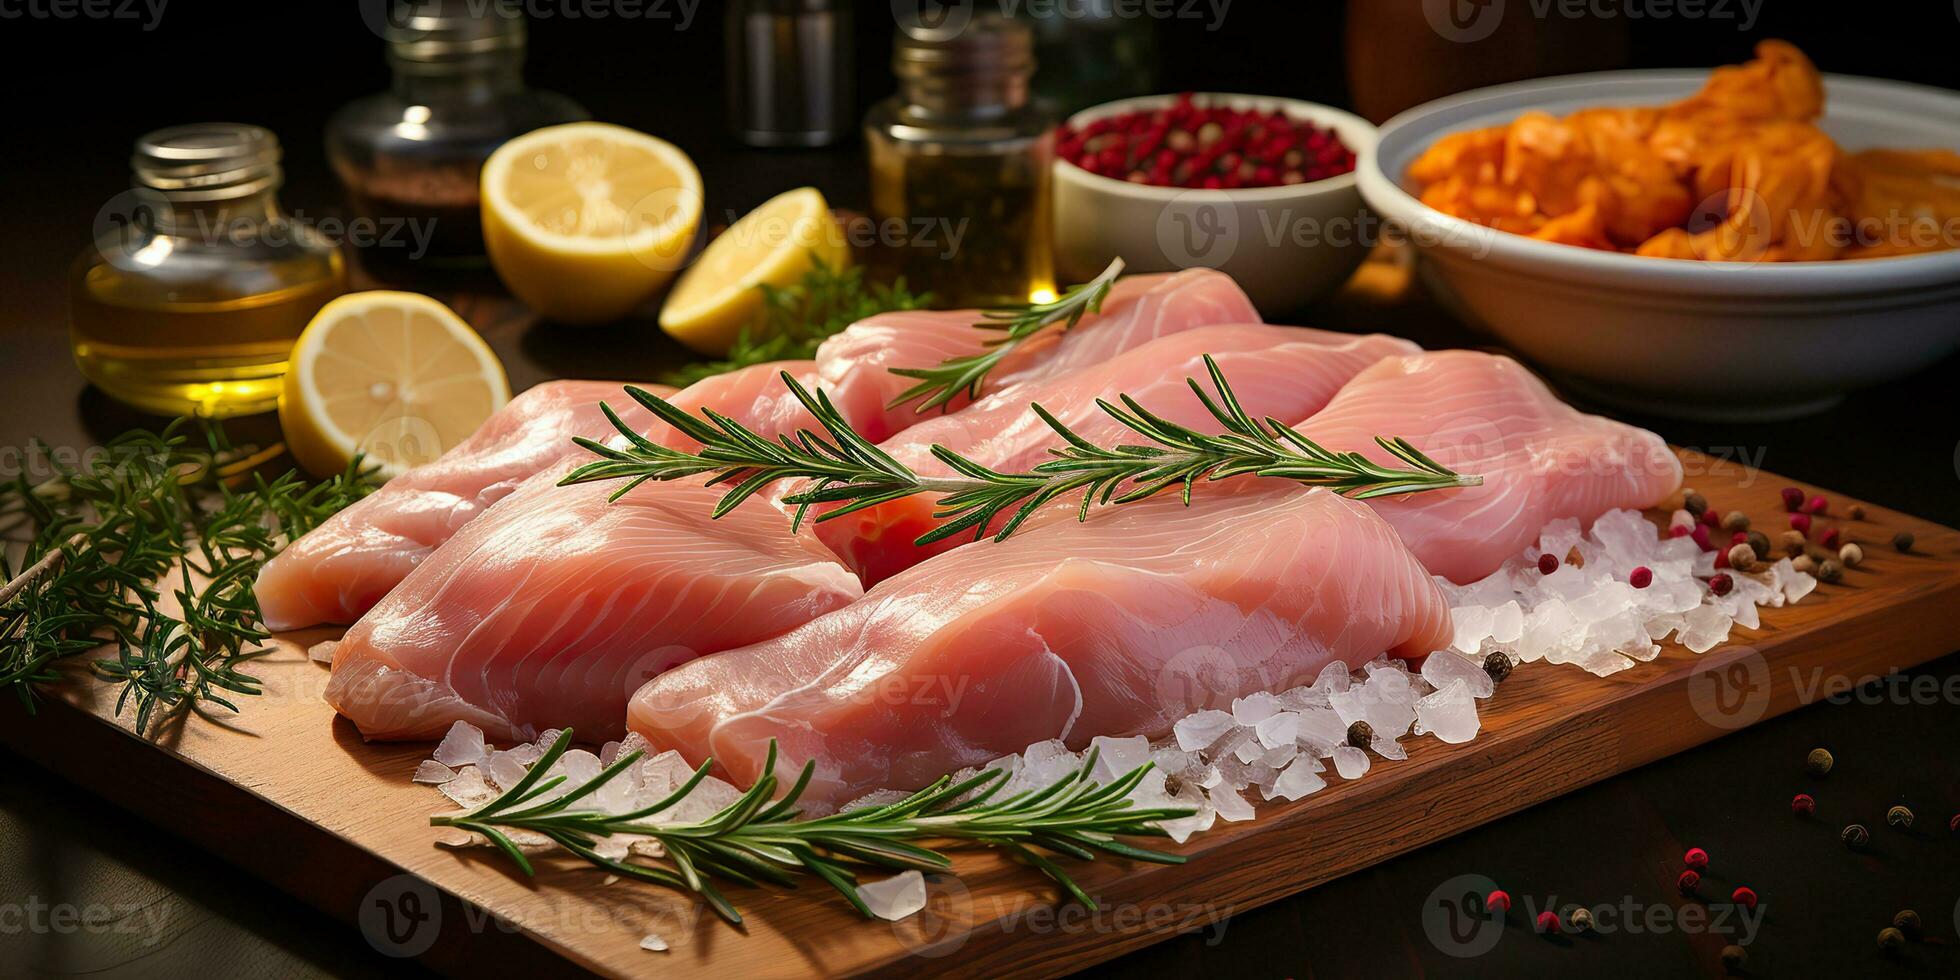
{"x": 79, "y": 91}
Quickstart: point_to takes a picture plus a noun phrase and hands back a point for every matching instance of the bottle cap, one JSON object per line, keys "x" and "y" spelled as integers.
{"x": 448, "y": 30}
{"x": 208, "y": 161}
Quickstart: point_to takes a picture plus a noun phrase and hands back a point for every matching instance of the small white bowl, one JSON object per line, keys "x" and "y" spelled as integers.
{"x": 1722, "y": 340}
{"x": 1286, "y": 246}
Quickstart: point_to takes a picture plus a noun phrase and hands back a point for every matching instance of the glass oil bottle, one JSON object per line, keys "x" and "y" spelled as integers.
{"x": 197, "y": 284}
{"x": 960, "y": 163}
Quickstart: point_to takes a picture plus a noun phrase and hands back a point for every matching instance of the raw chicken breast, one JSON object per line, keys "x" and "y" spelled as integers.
{"x": 550, "y": 610}
{"x": 855, "y": 365}
{"x": 1281, "y": 372}
{"x": 1063, "y": 631}
{"x": 344, "y": 566}
{"x": 757, "y": 397}
{"x": 1540, "y": 458}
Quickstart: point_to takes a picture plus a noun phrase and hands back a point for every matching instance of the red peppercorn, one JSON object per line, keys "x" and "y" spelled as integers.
{"x": 1688, "y": 882}
{"x": 1696, "y": 858}
{"x": 1829, "y": 538}
{"x": 1548, "y": 922}
{"x": 1721, "y": 559}
{"x": 1700, "y": 534}
{"x": 1792, "y": 499}
{"x": 1954, "y": 824}
{"x": 1739, "y": 537}
{"x": 1803, "y": 805}
{"x": 1678, "y": 531}
{"x": 1641, "y": 577}
{"x": 1744, "y": 896}
{"x": 1711, "y": 518}
{"x": 1721, "y": 584}
{"x": 1547, "y": 564}
{"x": 1800, "y": 522}
{"x": 1498, "y": 901}
{"x": 1816, "y": 505}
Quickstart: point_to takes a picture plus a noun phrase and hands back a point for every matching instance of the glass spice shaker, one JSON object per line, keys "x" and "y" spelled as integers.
{"x": 197, "y": 283}
{"x": 960, "y": 165}
{"x": 789, "y": 71}
{"x": 410, "y": 158}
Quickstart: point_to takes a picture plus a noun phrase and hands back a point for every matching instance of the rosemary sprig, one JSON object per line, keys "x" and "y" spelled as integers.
{"x": 795, "y": 319}
{"x": 939, "y": 385}
{"x": 847, "y": 469}
{"x": 102, "y": 534}
{"x": 762, "y": 840}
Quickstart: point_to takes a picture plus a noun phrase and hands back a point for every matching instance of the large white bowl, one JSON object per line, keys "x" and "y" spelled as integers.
{"x": 1729, "y": 340}
{"x": 1286, "y": 246}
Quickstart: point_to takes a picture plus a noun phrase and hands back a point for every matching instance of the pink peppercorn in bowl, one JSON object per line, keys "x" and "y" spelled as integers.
{"x": 1288, "y": 244}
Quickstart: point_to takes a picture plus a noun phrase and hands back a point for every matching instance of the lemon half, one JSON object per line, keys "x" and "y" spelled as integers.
{"x": 773, "y": 244}
{"x": 396, "y": 377}
{"x": 586, "y": 221}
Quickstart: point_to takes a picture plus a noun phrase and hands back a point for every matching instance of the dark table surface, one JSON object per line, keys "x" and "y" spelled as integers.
{"x": 180, "y": 911}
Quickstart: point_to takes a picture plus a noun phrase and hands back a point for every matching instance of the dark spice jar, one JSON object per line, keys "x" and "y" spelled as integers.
{"x": 410, "y": 158}
{"x": 960, "y": 161}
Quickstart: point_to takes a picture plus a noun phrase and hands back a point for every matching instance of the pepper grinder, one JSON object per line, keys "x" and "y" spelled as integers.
{"x": 789, "y": 71}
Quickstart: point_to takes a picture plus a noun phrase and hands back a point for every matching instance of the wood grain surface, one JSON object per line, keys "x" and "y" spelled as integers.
{"x": 291, "y": 792}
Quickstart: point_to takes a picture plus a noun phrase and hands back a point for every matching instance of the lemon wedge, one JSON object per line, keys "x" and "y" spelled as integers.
{"x": 396, "y": 377}
{"x": 773, "y": 244}
{"x": 586, "y": 221}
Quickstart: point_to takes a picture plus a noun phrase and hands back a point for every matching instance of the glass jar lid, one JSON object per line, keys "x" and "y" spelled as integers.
{"x": 208, "y": 161}
{"x": 980, "y": 64}
{"x": 435, "y": 31}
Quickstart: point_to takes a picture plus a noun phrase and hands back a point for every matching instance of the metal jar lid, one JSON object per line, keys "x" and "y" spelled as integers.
{"x": 434, "y": 31}
{"x": 977, "y": 63}
{"x": 208, "y": 161}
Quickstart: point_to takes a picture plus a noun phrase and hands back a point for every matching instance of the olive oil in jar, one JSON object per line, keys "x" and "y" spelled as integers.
{"x": 197, "y": 284}
{"x": 960, "y": 163}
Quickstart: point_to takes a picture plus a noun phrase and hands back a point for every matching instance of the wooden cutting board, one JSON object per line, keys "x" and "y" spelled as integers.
{"x": 290, "y": 792}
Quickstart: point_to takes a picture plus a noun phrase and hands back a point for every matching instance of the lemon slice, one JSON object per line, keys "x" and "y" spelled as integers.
{"x": 586, "y": 221}
{"x": 773, "y": 244}
{"x": 395, "y": 377}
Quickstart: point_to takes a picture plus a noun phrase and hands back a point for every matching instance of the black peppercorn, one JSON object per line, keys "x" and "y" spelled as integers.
{"x": 1497, "y": 665}
{"x": 1855, "y": 835}
{"x": 1907, "y": 921}
{"x": 1579, "y": 920}
{"x": 1694, "y": 503}
{"x": 1902, "y": 540}
{"x": 1733, "y": 957}
{"x": 1890, "y": 939}
{"x": 1819, "y": 762}
{"x": 1899, "y": 817}
{"x": 1360, "y": 734}
{"x": 1759, "y": 543}
{"x": 1735, "y": 520}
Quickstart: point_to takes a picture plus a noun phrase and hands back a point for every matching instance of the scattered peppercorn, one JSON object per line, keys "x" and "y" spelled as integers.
{"x": 1855, "y": 835}
{"x": 1735, "y": 520}
{"x": 1742, "y": 558}
{"x": 1759, "y": 543}
{"x": 1793, "y": 543}
{"x": 1902, "y": 540}
{"x": 1498, "y": 901}
{"x": 1856, "y": 512}
{"x": 1907, "y": 921}
{"x": 1819, "y": 762}
{"x": 1831, "y": 538}
{"x": 1360, "y": 734}
{"x": 1678, "y": 531}
{"x": 1733, "y": 957}
{"x": 1696, "y": 858}
{"x": 1954, "y": 824}
{"x": 1738, "y": 537}
{"x": 1580, "y": 919}
{"x": 1800, "y": 522}
{"x": 1688, "y": 882}
{"x": 1498, "y": 666}
{"x": 1803, "y": 805}
{"x": 1711, "y": 518}
{"x": 1818, "y": 553}
{"x": 1641, "y": 577}
{"x": 1547, "y": 564}
{"x": 1744, "y": 896}
{"x": 1548, "y": 922}
{"x": 1851, "y": 555}
{"x": 1722, "y": 558}
{"x": 1899, "y": 817}
{"x": 1191, "y": 143}
{"x": 1700, "y": 534}
{"x": 1830, "y": 570}
{"x": 1694, "y": 503}
{"x": 1817, "y": 505}
{"x": 1804, "y": 564}
{"x": 1721, "y": 584}
{"x": 1792, "y": 499}
{"x": 1890, "y": 939}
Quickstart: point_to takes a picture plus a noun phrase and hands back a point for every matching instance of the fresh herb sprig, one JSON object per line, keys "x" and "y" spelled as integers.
{"x": 849, "y": 470}
{"x": 761, "y": 840}
{"x": 939, "y": 385}
{"x": 102, "y": 534}
{"x": 795, "y": 319}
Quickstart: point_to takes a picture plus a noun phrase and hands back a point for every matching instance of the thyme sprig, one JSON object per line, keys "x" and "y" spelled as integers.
{"x": 941, "y": 384}
{"x": 847, "y": 469}
{"x": 97, "y": 539}
{"x": 761, "y": 840}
